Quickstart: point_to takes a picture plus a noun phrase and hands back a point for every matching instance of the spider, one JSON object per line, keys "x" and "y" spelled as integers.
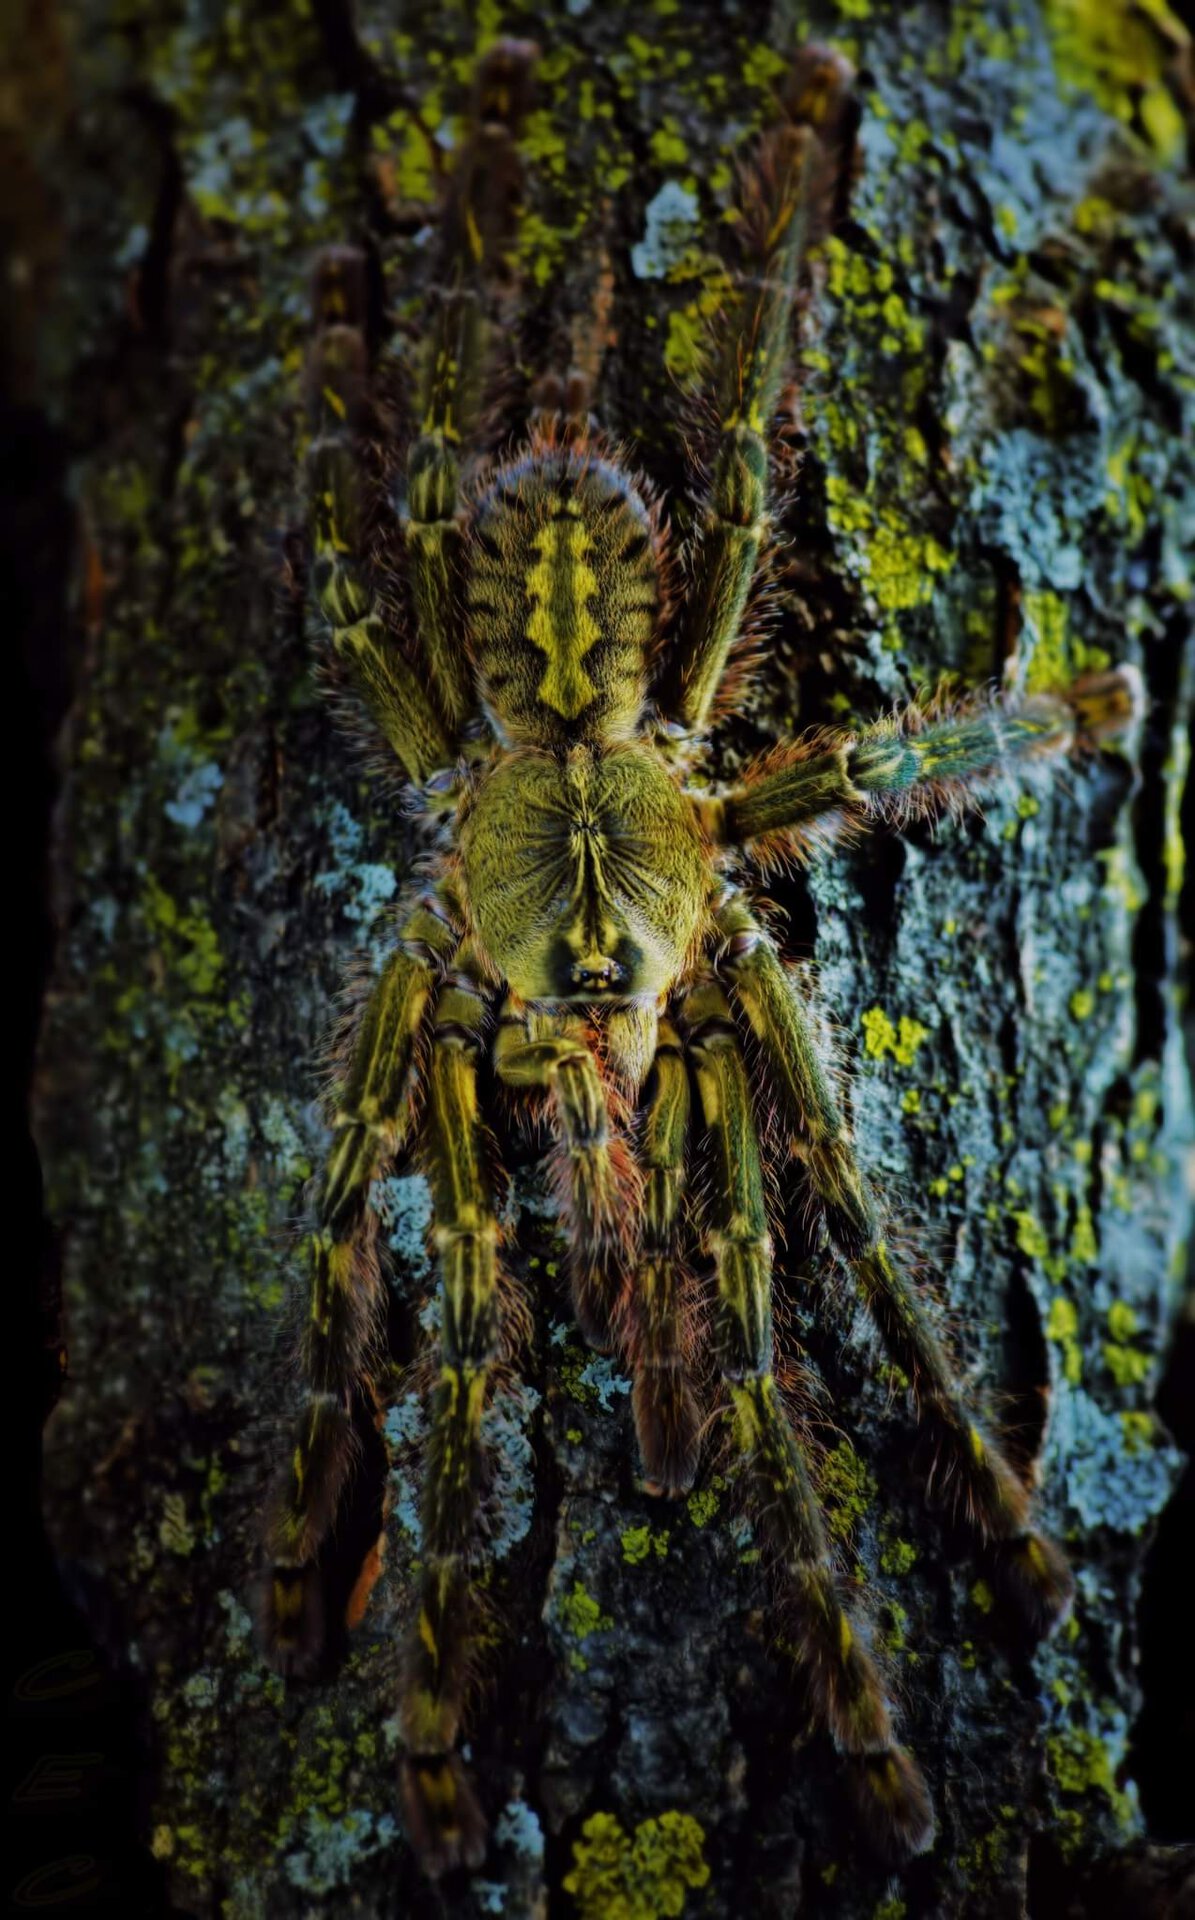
{"x": 586, "y": 948}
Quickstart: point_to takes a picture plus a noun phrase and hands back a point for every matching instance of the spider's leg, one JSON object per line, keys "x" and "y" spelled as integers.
{"x": 843, "y": 1682}
{"x": 374, "y": 1118}
{"x": 482, "y": 196}
{"x": 340, "y": 509}
{"x": 983, "y": 1484}
{"x": 444, "y": 1822}
{"x": 594, "y": 1168}
{"x": 915, "y": 763}
{"x": 666, "y": 1414}
{"x": 780, "y": 219}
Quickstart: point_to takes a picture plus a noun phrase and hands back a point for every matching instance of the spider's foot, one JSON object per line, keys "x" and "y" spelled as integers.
{"x": 668, "y": 1424}
{"x": 293, "y": 1619}
{"x": 893, "y": 1802}
{"x": 1033, "y": 1575}
{"x": 1106, "y": 704}
{"x": 444, "y": 1823}
{"x": 598, "y": 1308}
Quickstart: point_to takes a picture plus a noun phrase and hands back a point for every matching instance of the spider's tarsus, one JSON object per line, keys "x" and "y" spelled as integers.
{"x": 668, "y": 1424}
{"x": 1034, "y": 1576}
{"x": 445, "y": 1825}
{"x": 292, "y": 1620}
{"x": 893, "y": 1803}
{"x": 1106, "y": 705}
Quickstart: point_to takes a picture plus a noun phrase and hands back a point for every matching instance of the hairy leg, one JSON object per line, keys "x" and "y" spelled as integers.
{"x": 339, "y": 490}
{"x": 481, "y": 200}
{"x": 842, "y": 1681}
{"x": 923, "y": 761}
{"x": 596, "y": 1174}
{"x": 981, "y": 1483}
{"x": 783, "y": 205}
{"x": 374, "y": 1119}
{"x": 667, "y": 1420}
{"x": 444, "y": 1822}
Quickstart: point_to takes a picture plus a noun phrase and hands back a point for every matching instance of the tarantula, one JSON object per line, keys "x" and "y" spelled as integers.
{"x": 585, "y": 946}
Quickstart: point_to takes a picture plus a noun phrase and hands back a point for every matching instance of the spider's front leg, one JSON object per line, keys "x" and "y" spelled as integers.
{"x": 983, "y": 1485}
{"x": 374, "y": 1119}
{"x": 843, "y": 1683}
{"x": 922, "y": 761}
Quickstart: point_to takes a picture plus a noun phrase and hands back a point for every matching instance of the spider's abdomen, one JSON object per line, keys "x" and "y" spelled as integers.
{"x": 562, "y": 595}
{"x": 586, "y": 874}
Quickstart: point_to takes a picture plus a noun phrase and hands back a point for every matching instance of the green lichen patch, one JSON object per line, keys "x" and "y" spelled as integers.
{"x": 641, "y": 1876}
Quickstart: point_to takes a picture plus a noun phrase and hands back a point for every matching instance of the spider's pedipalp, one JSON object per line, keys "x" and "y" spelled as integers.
{"x": 843, "y": 1683}
{"x": 596, "y": 1177}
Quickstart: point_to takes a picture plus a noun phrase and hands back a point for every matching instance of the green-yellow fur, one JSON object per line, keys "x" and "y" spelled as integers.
{"x": 583, "y": 904}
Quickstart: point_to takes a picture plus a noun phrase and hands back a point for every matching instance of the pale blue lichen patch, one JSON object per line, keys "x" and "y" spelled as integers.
{"x": 1110, "y": 1479}
{"x": 670, "y": 221}
{"x": 602, "y": 1377}
{"x": 506, "y": 1430}
{"x": 335, "y": 1845}
{"x": 403, "y": 1205}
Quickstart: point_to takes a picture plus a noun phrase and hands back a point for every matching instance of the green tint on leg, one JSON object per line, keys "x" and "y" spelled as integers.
{"x": 443, "y": 1819}
{"x": 839, "y": 1677}
{"x": 479, "y": 219}
{"x": 593, "y": 1169}
{"x": 782, "y": 209}
{"x": 374, "y": 1119}
{"x": 666, "y": 1412}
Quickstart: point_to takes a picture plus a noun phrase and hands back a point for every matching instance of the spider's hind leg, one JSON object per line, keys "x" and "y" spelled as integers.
{"x": 983, "y": 1485}
{"x": 784, "y": 206}
{"x": 444, "y": 1822}
{"x": 339, "y": 490}
{"x": 374, "y": 1118}
{"x": 667, "y": 1420}
{"x": 842, "y": 1681}
{"x": 482, "y": 196}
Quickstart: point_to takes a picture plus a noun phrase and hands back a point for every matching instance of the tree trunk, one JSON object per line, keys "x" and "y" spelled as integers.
{"x": 995, "y": 413}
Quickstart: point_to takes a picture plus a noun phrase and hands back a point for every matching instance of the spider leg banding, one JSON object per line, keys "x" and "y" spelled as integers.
{"x": 589, "y": 954}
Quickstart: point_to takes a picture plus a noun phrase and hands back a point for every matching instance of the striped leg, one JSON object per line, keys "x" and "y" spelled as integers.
{"x": 666, "y": 1413}
{"x": 921, "y": 762}
{"x": 482, "y": 194}
{"x": 374, "y": 1119}
{"x": 782, "y": 210}
{"x": 444, "y": 1822}
{"x": 983, "y": 1485}
{"x": 843, "y": 1683}
{"x": 596, "y": 1175}
{"x": 338, "y": 487}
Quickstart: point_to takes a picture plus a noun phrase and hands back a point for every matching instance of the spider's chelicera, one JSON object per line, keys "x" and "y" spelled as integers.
{"x": 584, "y": 945}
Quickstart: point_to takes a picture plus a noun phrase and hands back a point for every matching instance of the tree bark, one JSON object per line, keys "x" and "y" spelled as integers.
{"x": 995, "y": 479}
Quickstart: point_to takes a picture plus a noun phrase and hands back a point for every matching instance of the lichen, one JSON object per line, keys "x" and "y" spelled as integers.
{"x": 641, "y": 1876}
